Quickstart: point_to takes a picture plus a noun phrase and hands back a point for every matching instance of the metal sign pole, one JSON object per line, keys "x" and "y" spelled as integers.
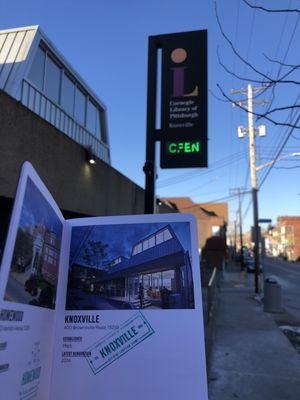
{"x": 149, "y": 167}
{"x": 183, "y": 105}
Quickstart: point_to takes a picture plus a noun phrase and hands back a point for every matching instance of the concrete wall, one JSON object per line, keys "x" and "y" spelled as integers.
{"x": 61, "y": 163}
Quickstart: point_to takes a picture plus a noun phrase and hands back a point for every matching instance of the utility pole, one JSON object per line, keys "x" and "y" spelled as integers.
{"x": 235, "y": 236}
{"x": 251, "y": 132}
{"x": 239, "y": 212}
{"x": 253, "y": 185}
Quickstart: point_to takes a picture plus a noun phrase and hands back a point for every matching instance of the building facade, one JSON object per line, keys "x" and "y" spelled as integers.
{"x": 284, "y": 238}
{"x": 37, "y": 75}
{"x": 158, "y": 274}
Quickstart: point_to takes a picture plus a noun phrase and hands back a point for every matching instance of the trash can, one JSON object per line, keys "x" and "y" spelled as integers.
{"x": 272, "y": 296}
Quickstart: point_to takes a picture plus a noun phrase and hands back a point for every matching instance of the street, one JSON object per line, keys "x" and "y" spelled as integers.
{"x": 288, "y": 276}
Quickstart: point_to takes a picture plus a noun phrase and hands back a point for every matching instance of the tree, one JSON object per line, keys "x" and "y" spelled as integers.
{"x": 95, "y": 253}
{"x": 287, "y": 76}
{"x": 23, "y": 248}
{"x": 282, "y": 111}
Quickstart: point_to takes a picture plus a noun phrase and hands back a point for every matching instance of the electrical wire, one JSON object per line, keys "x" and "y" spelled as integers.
{"x": 224, "y": 162}
{"x": 271, "y": 154}
{"x": 284, "y": 140}
{"x": 196, "y": 205}
{"x": 279, "y": 152}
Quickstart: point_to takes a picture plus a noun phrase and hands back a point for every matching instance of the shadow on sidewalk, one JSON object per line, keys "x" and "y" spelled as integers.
{"x": 251, "y": 359}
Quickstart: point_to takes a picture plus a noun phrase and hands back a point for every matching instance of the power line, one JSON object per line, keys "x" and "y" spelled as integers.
{"x": 283, "y": 142}
{"x": 248, "y": 208}
{"x": 278, "y": 73}
{"x": 228, "y": 198}
{"x": 279, "y": 152}
{"x": 191, "y": 175}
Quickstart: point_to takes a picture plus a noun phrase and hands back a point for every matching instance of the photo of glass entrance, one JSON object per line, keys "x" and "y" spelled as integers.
{"x": 152, "y": 272}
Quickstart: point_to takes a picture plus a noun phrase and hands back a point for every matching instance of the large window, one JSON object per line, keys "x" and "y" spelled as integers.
{"x": 67, "y": 94}
{"x": 62, "y": 88}
{"x": 79, "y": 113}
{"x": 36, "y": 74}
{"x": 156, "y": 239}
{"x": 93, "y": 118}
{"x": 52, "y": 82}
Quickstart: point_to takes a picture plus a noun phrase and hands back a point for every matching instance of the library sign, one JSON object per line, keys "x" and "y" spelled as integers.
{"x": 184, "y": 100}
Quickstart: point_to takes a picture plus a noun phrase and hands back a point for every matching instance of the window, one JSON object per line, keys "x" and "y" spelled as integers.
{"x": 92, "y": 119}
{"x": 62, "y": 88}
{"x": 98, "y": 131}
{"x": 167, "y": 235}
{"x": 52, "y": 83}
{"x": 117, "y": 261}
{"x": 168, "y": 279}
{"x": 145, "y": 245}
{"x": 159, "y": 237}
{"x": 36, "y": 74}
{"x": 79, "y": 113}
{"x": 139, "y": 248}
{"x": 151, "y": 241}
{"x": 67, "y": 94}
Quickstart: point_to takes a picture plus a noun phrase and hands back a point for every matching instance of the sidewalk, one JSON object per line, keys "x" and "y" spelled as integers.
{"x": 251, "y": 358}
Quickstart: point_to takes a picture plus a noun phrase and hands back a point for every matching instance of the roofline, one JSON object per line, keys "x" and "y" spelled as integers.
{"x": 152, "y": 234}
{"x": 21, "y": 29}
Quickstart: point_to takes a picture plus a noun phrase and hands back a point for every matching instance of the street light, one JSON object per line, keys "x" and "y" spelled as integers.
{"x": 295, "y": 154}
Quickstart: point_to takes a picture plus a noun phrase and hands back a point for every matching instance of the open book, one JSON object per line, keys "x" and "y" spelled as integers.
{"x": 99, "y": 308}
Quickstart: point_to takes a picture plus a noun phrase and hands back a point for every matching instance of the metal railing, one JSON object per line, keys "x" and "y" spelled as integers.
{"x": 209, "y": 277}
{"x": 40, "y": 104}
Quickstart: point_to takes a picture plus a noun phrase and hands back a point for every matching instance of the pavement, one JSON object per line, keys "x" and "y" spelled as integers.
{"x": 251, "y": 358}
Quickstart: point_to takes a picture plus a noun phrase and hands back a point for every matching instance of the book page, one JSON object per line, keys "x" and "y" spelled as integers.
{"x": 28, "y": 282}
{"x": 132, "y": 323}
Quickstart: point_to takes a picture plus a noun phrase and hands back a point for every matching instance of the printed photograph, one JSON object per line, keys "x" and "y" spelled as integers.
{"x": 34, "y": 268}
{"x": 132, "y": 266}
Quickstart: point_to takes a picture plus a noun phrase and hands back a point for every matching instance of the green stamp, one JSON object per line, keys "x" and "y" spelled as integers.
{"x": 114, "y": 345}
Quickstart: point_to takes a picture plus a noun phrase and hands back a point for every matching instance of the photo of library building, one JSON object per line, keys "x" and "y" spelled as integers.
{"x": 157, "y": 275}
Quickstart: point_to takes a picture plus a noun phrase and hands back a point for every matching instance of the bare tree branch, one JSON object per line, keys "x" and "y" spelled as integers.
{"x": 292, "y": 107}
{"x": 217, "y": 97}
{"x": 234, "y": 49}
{"x": 269, "y": 10}
{"x": 281, "y": 63}
{"x": 269, "y": 82}
{"x": 277, "y": 123}
{"x": 261, "y": 82}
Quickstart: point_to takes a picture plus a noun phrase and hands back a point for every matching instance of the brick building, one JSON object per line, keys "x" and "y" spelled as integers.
{"x": 284, "y": 238}
{"x": 212, "y": 218}
{"x": 289, "y": 236}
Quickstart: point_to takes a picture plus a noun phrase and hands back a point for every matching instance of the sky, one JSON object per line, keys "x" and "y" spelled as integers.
{"x": 106, "y": 42}
{"x": 36, "y": 210}
{"x": 120, "y": 239}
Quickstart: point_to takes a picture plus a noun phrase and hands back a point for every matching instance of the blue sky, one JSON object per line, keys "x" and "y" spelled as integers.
{"x": 36, "y": 209}
{"x": 121, "y": 238}
{"x": 106, "y": 42}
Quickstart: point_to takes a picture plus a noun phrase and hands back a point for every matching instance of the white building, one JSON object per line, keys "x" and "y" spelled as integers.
{"x": 35, "y": 73}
